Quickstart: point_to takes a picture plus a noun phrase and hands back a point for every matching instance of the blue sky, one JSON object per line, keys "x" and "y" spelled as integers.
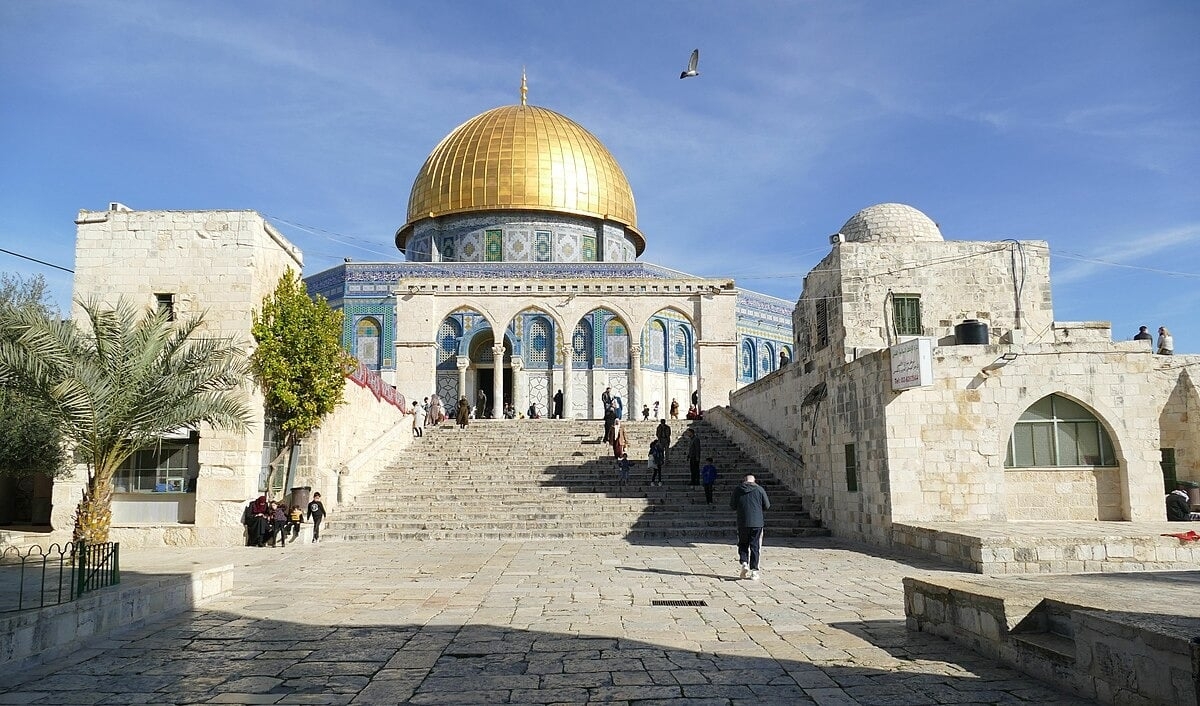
{"x": 1073, "y": 122}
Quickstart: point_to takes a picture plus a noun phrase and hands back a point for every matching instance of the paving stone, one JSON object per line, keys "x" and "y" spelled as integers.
{"x": 537, "y": 622}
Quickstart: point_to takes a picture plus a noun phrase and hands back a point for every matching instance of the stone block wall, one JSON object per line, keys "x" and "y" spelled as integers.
{"x": 219, "y": 263}
{"x": 955, "y": 280}
{"x": 1063, "y": 494}
{"x": 352, "y": 444}
{"x": 937, "y": 453}
{"x": 1180, "y": 416}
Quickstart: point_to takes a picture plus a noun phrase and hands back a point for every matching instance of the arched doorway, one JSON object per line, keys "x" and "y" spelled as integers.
{"x": 482, "y": 374}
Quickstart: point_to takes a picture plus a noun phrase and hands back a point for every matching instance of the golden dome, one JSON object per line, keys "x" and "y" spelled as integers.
{"x": 522, "y": 157}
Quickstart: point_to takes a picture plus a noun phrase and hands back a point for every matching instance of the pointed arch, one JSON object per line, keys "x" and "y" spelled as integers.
{"x": 539, "y": 343}
{"x": 449, "y": 339}
{"x": 1058, "y": 431}
{"x": 654, "y": 346}
{"x": 746, "y": 360}
{"x": 766, "y": 358}
{"x": 582, "y": 345}
{"x": 367, "y": 332}
{"x": 681, "y": 348}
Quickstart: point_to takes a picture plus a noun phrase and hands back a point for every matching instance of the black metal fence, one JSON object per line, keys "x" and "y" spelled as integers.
{"x": 39, "y": 577}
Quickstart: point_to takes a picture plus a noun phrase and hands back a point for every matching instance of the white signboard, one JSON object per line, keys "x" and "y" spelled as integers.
{"x": 912, "y": 363}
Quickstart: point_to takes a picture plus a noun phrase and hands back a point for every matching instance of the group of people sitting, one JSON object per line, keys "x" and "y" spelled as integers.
{"x": 271, "y": 522}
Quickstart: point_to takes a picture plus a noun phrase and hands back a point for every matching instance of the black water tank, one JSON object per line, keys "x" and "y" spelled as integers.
{"x": 971, "y": 332}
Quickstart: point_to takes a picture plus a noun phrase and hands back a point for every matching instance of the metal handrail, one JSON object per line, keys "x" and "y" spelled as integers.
{"x": 38, "y": 577}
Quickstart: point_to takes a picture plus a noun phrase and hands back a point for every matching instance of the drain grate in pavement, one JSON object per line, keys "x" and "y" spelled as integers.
{"x": 697, "y": 604}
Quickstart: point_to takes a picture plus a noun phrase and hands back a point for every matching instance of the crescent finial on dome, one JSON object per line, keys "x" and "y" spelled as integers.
{"x": 524, "y": 88}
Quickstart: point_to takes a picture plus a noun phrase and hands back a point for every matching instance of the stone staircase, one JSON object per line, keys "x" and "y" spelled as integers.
{"x": 553, "y": 479}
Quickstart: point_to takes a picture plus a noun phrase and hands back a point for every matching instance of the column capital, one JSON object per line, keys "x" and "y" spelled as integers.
{"x": 517, "y": 363}
{"x": 462, "y": 363}
{"x": 498, "y": 350}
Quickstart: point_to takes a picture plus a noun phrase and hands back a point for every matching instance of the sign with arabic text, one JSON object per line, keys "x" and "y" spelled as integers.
{"x": 912, "y": 363}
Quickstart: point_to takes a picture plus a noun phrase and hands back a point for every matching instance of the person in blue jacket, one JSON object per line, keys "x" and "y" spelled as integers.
{"x": 708, "y": 477}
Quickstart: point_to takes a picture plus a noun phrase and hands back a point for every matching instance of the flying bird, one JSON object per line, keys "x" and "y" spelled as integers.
{"x": 692, "y": 62}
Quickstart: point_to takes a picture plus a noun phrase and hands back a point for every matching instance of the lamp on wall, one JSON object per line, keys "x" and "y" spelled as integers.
{"x": 1000, "y": 362}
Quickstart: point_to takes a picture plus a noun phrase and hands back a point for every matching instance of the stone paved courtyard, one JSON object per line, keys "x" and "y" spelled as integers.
{"x": 532, "y": 622}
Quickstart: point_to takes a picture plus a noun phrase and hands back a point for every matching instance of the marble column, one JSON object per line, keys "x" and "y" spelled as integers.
{"x": 635, "y": 381}
{"x": 520, "y": 388}
{"x": 462, "y": 363}
{"x": 498, "y": 381}
{"x": 567, "y": 354}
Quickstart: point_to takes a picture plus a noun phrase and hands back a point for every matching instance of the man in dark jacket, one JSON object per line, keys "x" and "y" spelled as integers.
{"x": 663, "y": 434}
{"x": 694, "y": 456}
{"x": 610, "y": 416}
{"x": 750, "y": 500}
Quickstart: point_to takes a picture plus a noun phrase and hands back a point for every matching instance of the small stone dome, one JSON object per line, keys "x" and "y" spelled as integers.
{"x": 890, "y": 223}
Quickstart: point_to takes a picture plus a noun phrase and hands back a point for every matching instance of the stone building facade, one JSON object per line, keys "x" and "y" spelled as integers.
{"x": 193, "y": 487}
{"x": 1014, "y": 417}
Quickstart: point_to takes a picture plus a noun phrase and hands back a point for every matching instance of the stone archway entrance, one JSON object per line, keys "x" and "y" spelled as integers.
{"x": 483, "y": 364}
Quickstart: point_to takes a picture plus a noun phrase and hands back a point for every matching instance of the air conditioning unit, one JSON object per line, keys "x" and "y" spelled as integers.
{"x": 118, "y": 206}
{"x": 837, "y": 238}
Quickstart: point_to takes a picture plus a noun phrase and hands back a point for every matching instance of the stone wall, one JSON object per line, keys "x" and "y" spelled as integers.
{"x": 955, "y": 280}
{"x": 1063, "y": 494}
{"x": 1180, "y": 417}
{"x": 219, "y": 263}
{"x": 937, "y": 453}
{"x": 353, "y": 443}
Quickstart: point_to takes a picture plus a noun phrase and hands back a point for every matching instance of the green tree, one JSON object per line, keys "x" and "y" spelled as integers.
{"x": 299, "y": 363}
{"x": 30, "y": 438}
{"x": 118, "y": 385}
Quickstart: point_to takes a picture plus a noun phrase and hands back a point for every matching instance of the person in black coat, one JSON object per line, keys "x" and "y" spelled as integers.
{"x": 558, "y": 405}
{"x": 750, "y": 501}
{"x": 610, "y": 416}
{"x": 1179, "y": 507}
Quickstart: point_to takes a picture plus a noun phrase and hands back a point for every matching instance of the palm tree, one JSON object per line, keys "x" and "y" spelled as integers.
{"x": 118, "y": 385}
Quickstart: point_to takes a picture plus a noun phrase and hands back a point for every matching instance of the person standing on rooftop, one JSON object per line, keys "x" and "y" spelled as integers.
{"x": 1166, "y": 343}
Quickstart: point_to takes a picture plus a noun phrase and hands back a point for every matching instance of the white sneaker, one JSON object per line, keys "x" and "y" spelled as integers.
{"x": 745, "y": 570}
{"x": 754, "y": 576}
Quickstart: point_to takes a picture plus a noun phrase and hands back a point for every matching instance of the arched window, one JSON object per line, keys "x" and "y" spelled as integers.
{"x": 540, "y": 344}
{"x": 766, "y": 358}
{"x": 616, "y": 344}
{"x": 656, "y": 345}
{"x": 449, "y": 334}
{"x": 680, "y": 349}
{"x": 746, "y": 366}
{"x": 366, "y": 342}
{"x": 1056, "y": 431}
{"x": 581, "y": 346}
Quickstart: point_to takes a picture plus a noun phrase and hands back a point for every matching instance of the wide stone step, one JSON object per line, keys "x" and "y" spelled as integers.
{"x": 525, "y": 479}
{"x": 699, "y": 532}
